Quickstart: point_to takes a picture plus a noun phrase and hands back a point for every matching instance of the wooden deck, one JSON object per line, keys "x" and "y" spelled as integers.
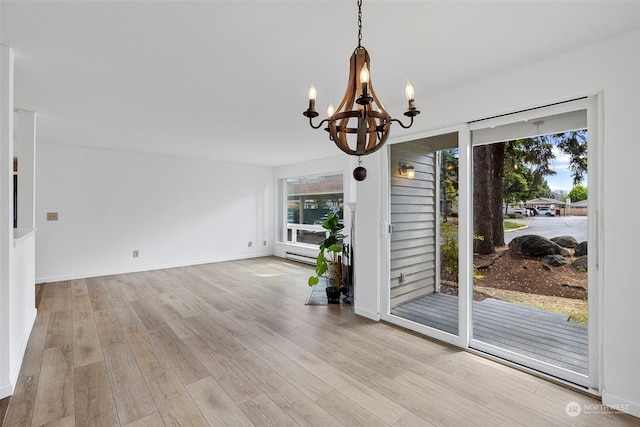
{"x": 540, "y": 334}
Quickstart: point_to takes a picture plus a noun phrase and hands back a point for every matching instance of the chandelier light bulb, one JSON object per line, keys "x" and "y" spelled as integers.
{"x": 313, "y": 93}
{"x": 330, "y": 110}
{"x": 364, "y": 74}
{"x": 364, "y": 79}
{"x": 409, "y": 92}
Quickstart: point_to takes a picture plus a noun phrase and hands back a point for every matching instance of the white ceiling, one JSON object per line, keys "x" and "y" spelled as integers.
{"x": 228, "y": 80}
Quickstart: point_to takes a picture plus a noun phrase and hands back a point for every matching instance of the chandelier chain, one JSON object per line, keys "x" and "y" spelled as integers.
{"x": 359, "y": 23}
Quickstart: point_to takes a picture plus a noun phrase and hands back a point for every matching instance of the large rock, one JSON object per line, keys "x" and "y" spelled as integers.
{"x": 565, "y": 241}
{"x": 581, "y": 249}
{"x": 536, "y": 246}
{"x": 554, "y": 260}
{"x": 581, "y": 263}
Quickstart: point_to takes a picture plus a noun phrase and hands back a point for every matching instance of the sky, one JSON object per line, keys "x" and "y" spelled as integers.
{"x": 562, "y": 180}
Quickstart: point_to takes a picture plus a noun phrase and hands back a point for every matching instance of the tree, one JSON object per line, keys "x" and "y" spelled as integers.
{"x": 488, "y": 164}
{"x": 575, "y": 145}
{"x": 526, "y": 163}
{"x": 448, "y": 179}
{"x": 497, "y": 172}
{"x": 578, "y": 192}
{"x": 516, "y": 176}
{"x": 500, "y": 168}
{"x": 516, "y": 188}
{"x": 537, "y": 154}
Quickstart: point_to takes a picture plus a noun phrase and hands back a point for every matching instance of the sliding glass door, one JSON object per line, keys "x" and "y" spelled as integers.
{"x": 531, "y": 281}
{"x": 424, "y": 239}
{"x": 493, "y": 231}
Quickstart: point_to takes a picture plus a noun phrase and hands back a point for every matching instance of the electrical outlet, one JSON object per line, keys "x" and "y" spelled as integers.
{"x": 52, "y": 216}
{"x": 249, "y": 244}
{"x": 264, "y": 243}
{"x": 136, "y": 253}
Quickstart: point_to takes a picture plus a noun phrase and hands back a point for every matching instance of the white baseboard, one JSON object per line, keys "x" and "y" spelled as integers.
{"x": 620, "y": 404}
{"x": 86, "y": 275}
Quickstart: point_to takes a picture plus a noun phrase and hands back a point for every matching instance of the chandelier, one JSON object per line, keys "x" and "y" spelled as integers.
{"x": 360, "y": 125}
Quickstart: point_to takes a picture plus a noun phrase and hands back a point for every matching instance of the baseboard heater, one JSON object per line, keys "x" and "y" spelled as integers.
{"x": 300, "y": 258}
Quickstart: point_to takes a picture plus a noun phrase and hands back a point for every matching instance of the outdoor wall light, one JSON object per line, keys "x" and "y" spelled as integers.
{"x": 408, "y": 171}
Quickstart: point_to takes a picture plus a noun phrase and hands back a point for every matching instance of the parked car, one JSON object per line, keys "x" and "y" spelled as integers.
{"x": 546, "y": 211}
{"x": 524, "y": 211}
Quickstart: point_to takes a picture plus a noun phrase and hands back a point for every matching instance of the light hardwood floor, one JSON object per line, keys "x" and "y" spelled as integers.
{"x": 233, "y": 344}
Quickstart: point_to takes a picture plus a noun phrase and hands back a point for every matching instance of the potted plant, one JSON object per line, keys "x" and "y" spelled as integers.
{"x": 328, "y": 261}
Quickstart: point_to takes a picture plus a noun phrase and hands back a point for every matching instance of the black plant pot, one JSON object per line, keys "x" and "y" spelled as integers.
{"x": 333, "y": 295}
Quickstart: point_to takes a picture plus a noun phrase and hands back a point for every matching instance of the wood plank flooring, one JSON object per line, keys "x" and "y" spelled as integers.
{"x": 4, "y": 404}
{"x": 542, "y": 335}
{"x": 234, "y": 344}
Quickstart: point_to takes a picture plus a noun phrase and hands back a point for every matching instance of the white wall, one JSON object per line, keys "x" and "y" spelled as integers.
{"x": 22, "y": 299}
{"x": 370, "y": 256}
{"x": 17, "y": 261}
{"x": 175, "y": 211}
{"x": 6, "y": 213}
{"x": 613, "y": 67}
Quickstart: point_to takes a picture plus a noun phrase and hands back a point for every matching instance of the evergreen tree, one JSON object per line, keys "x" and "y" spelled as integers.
{"x": 515, "y": 171}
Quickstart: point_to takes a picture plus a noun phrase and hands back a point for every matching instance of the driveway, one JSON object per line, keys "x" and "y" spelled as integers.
{"x": 549, "y": 227}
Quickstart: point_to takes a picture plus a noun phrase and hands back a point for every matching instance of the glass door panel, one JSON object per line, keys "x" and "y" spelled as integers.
{"x": 424, "y": 232}
{"x": 530, "y": 279}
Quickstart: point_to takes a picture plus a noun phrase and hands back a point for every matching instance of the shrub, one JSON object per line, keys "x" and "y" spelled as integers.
{"x": 449, "y": 250}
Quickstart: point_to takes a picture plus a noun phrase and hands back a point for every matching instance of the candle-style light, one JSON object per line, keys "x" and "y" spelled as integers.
{"x": 313, "y": 94}
{"x": 410, "y": 94}
{"x": 364, "y": 78}
{"x": 330, "y": 110}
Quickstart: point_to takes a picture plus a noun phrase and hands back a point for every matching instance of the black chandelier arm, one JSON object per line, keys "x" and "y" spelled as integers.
{"x": 318, "y": 125}
{"x": 402, "y": 124}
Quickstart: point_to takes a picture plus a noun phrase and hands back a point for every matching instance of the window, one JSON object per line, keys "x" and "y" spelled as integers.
{"x": 308, "y": 202}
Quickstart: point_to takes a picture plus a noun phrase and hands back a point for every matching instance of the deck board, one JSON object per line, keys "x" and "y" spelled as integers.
{"x": 543, "y": 335}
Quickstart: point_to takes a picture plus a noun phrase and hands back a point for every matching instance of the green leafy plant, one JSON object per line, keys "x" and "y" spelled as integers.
{"x": 449, "y": 247}
{"x": 449, "y": 250}
{"x": 330, "y": 248}
{"x": 578, "y": 193}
